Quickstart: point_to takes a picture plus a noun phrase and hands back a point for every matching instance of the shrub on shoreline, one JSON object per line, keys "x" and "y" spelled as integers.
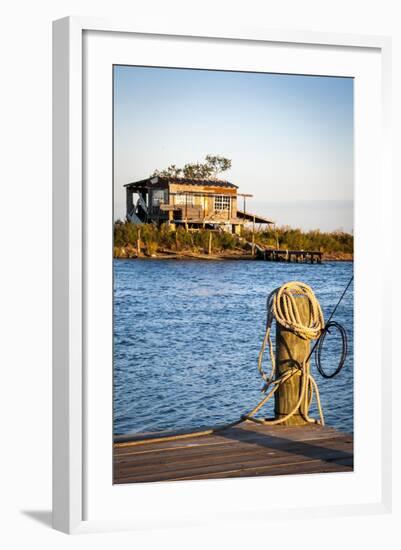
{"x": 295, "y": 239}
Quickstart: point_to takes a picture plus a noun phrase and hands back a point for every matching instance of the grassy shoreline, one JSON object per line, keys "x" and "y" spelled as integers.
{"x": 161, "y": 243}
{"x": 123, "y": 254}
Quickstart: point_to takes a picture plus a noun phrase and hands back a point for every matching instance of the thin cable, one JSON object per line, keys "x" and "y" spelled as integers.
{"x": 319, "y": 349}
{"x": 331, "y": 316}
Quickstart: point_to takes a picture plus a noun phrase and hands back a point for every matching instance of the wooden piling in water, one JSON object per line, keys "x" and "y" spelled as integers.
{"x": 138, "y": 242}
{"x": 291, "y": 350}
{"x": 285, "y": 255}
{"x": 253, "y": 237}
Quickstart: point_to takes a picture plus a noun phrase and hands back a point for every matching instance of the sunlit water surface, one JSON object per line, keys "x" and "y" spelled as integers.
{"x": 187, "y": 336}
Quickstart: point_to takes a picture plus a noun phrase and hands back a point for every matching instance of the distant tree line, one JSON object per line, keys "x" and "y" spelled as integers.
{"x": 213, "y": 165}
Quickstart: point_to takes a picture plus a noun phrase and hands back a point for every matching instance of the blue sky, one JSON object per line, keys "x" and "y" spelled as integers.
{"x": 290, "y": 137}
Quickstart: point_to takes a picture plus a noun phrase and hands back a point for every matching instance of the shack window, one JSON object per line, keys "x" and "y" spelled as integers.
{"x": 222, "y": 202}
{"x": 183, "y": 199}
{"x": 159, "y": 196}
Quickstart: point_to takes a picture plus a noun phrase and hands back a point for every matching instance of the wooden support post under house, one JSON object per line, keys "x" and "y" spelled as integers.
{"x": 276, "y": 235}
{"x": 209, "y": 249}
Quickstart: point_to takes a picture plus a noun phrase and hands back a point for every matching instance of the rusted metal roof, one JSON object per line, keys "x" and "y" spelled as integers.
{"x": 150, "y": 182}
{"x": 249, "y": 216}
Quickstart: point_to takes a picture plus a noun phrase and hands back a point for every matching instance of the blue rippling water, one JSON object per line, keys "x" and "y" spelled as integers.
{"x": 187, "y": 336}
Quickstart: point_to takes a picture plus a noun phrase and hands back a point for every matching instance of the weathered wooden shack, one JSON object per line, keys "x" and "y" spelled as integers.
{"x": 194, "y": 203}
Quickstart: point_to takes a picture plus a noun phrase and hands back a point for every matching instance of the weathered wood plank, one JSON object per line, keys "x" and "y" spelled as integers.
{"x": 244, "y": 450}
{"x": 305, "y": 467}
{"x": 248, "y": 429}
{"x": 201, "y": 466}
{"x": 224, "y": 451}
{"x": 241, "y": 464}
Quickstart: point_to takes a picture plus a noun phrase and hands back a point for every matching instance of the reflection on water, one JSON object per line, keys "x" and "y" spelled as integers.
{"x": 187, "y": 336}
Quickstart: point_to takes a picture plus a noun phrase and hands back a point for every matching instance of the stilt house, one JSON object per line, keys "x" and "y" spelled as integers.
{"x": 194, "y": 203}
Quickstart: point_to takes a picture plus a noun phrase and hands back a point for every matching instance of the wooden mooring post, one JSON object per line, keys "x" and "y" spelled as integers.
{"x": 291, "y": 350}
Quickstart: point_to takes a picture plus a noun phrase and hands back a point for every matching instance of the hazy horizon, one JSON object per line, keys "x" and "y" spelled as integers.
{"x": 290, "y": 137}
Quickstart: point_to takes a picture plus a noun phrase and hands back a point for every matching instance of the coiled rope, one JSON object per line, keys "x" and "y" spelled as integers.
{"x": 282, "y": 305}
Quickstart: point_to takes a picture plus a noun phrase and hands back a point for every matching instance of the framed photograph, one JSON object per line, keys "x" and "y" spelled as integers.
{"x": 219, "y": 203}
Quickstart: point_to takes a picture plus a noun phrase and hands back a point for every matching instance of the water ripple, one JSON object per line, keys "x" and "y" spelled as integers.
{"x": 187, "y": 336}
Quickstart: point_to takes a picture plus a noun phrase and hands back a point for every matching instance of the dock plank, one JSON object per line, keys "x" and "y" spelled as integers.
{"x": 248, "y": 449}
{"x": 198, "y": 453}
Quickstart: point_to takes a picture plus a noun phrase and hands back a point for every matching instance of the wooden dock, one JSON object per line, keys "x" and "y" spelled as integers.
{"x": 247, "y": 449}
{"x": 297, "y": 256}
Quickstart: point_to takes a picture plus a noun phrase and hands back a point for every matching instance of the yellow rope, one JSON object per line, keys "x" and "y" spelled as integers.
{"x": 282, "y": 305}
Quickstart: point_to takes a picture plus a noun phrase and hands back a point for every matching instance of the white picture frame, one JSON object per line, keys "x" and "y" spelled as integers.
{"x": 71, "y": 427}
